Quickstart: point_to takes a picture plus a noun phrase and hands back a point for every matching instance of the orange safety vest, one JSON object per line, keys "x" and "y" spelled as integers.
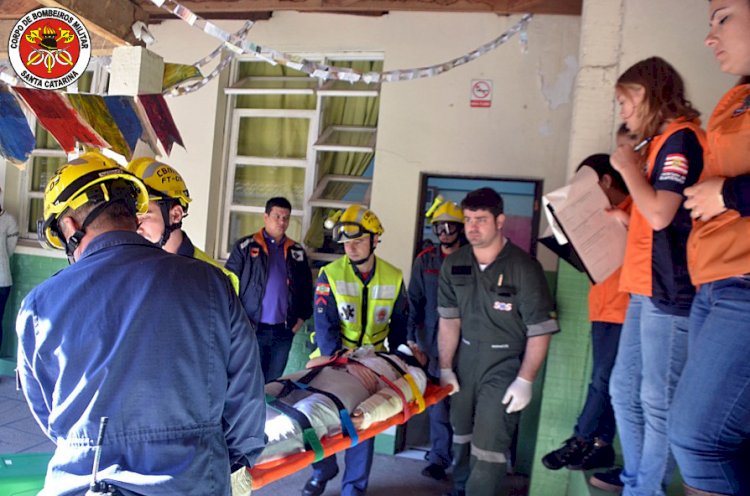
{"x": 720, "y": 247}
{"x": 637, "y": 274}
{"x": 606, "y": 302}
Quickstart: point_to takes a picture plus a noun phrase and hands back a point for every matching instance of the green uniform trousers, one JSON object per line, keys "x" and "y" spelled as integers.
{"x": 482, "y": 431}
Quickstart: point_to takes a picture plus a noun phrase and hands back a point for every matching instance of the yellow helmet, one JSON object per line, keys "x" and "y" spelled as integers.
{"x": 355, "y": 222}
{"x": 162, "y": 181}
{"x": 70, "y": 188}
{"x": 447, "y": 211}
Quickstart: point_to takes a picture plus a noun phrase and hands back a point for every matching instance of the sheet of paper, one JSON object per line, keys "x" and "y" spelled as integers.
{"x": 580, "y": 216}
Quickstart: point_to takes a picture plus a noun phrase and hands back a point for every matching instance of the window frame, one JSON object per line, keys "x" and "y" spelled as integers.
{"x": 231, "y": 159}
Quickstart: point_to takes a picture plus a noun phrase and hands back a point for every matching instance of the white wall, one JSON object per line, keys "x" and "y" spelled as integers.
{"x": 425, "y": 125}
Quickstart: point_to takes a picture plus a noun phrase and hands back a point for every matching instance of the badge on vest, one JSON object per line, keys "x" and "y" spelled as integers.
{"x": 347, "y": 313}
{"x": 503, "y": 306}
{"x": 382, "y": 314}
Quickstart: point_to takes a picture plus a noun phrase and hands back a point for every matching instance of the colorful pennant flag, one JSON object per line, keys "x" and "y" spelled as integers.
{"x": 16, "y": 138}
{"x": 57, "y": 116}
{"x": 161, "y": 121}
{"x": 94, "y": 111}
{"x": 175, "y": 74}
{"x": 121, "y": 110}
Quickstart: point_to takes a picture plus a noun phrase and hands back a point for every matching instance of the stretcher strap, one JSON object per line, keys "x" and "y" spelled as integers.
{"x": 309, "y": 436}
{"x": 391, "y": 384}
{"x": 415, "y": 393}
{"x": 409, "y": 379}
{"x": 347, "y": 426}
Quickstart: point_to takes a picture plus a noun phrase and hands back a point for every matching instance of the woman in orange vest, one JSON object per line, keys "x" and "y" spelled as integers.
{"x": 653, "y": 343}
{"x": 709, "y": 425}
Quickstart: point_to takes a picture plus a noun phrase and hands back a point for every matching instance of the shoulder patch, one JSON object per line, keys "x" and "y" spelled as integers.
{"x": 298, "y": 254}
{"x": 254, "y": 251}
{"x": 244, "y": 244}
{"x": 323, "y": 289}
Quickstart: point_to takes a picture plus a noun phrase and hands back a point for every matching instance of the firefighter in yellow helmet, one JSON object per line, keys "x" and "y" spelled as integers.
{"x": 90, "y": 347}
{"x": 77, "y": 195}
{"x": 167, "y": 206}
{"x": 447, "y": 221}
{"x": 359, "y": 300}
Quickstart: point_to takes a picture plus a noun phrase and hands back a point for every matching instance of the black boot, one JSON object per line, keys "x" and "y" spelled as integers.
{"x": 570, "y": 453}
{"x": 314, "y": 487}
{"x": 597, "y": 455}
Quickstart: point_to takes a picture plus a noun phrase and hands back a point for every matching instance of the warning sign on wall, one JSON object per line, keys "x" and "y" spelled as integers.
{"x": 481, "y": 93}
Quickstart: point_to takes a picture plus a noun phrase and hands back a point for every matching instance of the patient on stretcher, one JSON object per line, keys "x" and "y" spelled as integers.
{"x": 361, "y": 382}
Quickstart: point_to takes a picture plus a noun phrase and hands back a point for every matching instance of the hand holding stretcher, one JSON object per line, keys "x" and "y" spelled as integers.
{"x": 334, "y": 404}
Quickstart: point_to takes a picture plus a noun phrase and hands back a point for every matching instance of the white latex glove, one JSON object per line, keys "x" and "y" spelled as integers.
{"x": 448, "y": 378}
{"x": 517, "y": 396}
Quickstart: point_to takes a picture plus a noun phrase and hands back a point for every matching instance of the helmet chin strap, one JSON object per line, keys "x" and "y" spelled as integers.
{"x": 448, "y": 245}
{"x": 364, "y": 260}
{"x": 168, "y": 227}
{"x": 74, "y": 240}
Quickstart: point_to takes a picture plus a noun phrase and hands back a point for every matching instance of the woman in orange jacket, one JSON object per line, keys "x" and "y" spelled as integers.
{"x": 709, "y": 426}
{"x": 653, "y": 343}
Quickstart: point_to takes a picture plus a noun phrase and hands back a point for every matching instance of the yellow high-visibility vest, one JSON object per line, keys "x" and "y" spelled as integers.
{"x": 364, "y": 311}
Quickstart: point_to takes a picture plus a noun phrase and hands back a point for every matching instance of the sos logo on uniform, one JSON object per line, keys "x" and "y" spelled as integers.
{"x": 49, "y": 48}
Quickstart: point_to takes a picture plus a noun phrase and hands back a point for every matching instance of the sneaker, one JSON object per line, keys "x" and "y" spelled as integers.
{"x": 597, "y": 455}
{"x": 570, "y": 453}
{"x": 434, "y": 471}
{"x": 608, "y": 481}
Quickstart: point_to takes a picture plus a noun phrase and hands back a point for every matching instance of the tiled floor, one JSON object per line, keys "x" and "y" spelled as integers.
{"x": 19, "y": 432}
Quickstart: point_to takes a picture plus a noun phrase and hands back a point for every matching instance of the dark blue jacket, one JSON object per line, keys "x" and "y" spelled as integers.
{"x": 249, "y": 260}
{"x": 423, "y": 300}
{"x": 159, "y": 344}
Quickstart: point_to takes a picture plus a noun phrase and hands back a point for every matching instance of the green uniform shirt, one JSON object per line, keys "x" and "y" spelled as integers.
{"x": 500, "y": 306}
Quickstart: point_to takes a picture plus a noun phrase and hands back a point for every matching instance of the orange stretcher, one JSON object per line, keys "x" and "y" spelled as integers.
{"x": 272, "y": 471}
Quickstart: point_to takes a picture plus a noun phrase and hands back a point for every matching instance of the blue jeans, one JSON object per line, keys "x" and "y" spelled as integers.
{"x": 709, "y": 425}
{"x": 274, "y": 343}
{"x": 650, "y": 359}
{"x": 597, "y": 419}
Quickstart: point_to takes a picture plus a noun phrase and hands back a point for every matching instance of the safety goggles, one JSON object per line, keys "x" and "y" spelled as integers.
{"x": 346, "y": 231}
{"x": 447, "y": 228}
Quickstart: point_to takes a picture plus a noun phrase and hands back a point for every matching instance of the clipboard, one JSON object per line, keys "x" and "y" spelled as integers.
{"x": 564, "y": 251}
{"x": 583, "y": 233}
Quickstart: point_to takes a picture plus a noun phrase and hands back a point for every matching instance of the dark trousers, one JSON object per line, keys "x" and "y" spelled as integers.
{"x": 597, "y": 419}
{"x": 274, "y": 343}
{"x": 4, "y": 293}
{"x": 358, "y": 461}
{"x": 441, "y": 434}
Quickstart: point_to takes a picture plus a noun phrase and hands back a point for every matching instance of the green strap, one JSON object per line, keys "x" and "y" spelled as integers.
{"x": 311, "y": 439}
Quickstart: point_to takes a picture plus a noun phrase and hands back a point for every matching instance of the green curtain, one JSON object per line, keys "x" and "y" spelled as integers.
{"x": 355, "y": 111}
{"x": 287, "y": 138}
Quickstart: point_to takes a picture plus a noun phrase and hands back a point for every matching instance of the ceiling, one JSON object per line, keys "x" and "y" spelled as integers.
{"x": 110, "y": 21}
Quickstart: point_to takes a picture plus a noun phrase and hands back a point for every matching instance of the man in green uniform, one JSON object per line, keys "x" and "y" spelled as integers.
{"x": 495, "y": 326}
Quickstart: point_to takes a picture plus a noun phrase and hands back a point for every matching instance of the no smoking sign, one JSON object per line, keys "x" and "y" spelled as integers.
{"x": 481, "y": 93}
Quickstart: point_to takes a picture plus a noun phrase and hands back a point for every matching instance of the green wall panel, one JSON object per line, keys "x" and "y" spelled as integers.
{"x": 28, "y": 272}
